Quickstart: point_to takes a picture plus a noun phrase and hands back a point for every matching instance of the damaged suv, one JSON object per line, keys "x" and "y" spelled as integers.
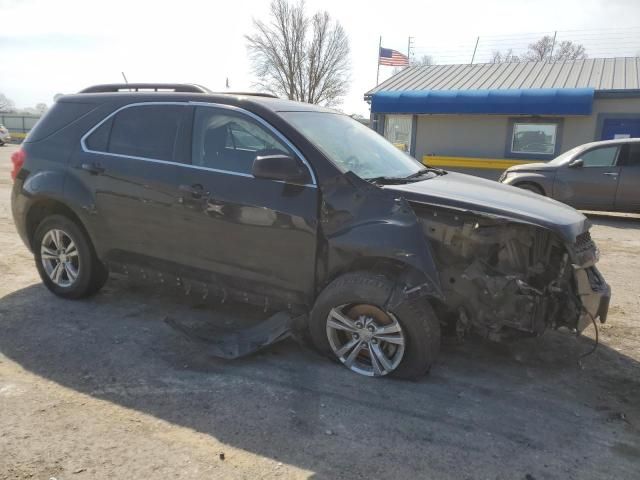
{"x": 297, "y": 209}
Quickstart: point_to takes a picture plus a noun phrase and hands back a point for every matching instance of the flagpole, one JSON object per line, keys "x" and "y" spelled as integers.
{"x": 378, "y": 73}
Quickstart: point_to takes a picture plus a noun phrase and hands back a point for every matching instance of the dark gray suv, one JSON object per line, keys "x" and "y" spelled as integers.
{"x": 594, "y": 176}
{"x": 300, "y": 210}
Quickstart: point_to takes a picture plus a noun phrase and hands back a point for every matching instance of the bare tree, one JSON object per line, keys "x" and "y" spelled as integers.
{"x": 6, "y": 104}
{"x": 504, "y": 57}
{"x": 423, "y": 61}
{"x": 544, "y": 49}
{"x": 41, "y": 108}
{"x": 300, "y": 57}
{"x": 567, "y": 50}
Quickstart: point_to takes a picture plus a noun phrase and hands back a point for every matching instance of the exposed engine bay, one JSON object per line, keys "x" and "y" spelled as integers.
{"x": 503, "y": 279}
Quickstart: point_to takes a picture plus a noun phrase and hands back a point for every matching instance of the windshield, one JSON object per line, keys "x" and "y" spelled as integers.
{"x": 352, "y": 146}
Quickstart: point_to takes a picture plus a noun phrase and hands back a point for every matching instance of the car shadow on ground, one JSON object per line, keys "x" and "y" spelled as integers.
{"x": 497, "y": 406}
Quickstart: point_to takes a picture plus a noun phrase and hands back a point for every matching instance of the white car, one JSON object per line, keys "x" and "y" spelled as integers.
{"x": 4, "y": 135}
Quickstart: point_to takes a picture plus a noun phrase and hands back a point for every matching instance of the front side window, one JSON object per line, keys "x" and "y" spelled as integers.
{"x": 225, "y": 140}
{"x": 351, "y": 146}
{"x": 145, "y": 131}
{"x": 600, "y": 157}
{"x": 397, "y": 129}
{"x": 535, "y": 138}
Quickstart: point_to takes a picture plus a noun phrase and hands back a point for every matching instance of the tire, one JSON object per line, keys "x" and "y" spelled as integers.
{"x": 90, "y": 273}
{"x": 362, "y": 295}
{"x": 532, "y": 187}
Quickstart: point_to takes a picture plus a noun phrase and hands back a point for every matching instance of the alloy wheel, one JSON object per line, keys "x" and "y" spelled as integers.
{"x": 60, "y": 257}
{"x": 367, "y": 339}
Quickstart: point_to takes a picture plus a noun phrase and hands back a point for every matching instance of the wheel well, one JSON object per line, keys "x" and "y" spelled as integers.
{"x": 393, "y": 269}
{"x": 45, "y": 208}
{"x": 533, "y": 184}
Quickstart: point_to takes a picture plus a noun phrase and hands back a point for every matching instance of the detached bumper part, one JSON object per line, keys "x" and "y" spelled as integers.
{"x": 594, "y": 294}
{"x": 240, "y": 342}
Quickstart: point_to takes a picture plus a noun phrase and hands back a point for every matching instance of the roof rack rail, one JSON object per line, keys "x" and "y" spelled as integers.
{"x": 250, "y": 94}
{"x": 153, "y": 87}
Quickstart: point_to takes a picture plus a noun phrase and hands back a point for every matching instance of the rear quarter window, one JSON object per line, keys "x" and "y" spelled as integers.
{"x": 156, "y": 132}
{"x": 57, "y": 117}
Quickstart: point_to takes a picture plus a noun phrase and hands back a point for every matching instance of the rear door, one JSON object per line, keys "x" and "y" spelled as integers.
{"x": 628, "y": 195}
{"x": 130, "y": 162}
{"x": 592, "y": 185}
{"x": 257, "y": 234}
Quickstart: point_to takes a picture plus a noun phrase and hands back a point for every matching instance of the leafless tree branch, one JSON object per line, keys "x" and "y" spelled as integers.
{"x": 6, "y": 104}
{"x": 302, "y": 58}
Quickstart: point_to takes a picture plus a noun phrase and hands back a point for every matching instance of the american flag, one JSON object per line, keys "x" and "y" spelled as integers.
{"x": 392, "y": 57}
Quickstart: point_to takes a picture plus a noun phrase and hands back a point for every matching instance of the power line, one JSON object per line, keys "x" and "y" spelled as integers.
{"x": 617, "y": 42}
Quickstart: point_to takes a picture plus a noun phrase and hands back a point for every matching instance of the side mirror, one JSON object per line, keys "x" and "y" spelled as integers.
{"x": 576, "y": 162}
{"x": 279, "y": 167}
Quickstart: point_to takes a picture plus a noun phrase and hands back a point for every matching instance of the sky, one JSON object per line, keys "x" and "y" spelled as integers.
{"x": 62, "y": 46}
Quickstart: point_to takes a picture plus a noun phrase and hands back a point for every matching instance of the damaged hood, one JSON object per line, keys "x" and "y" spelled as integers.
{"x": 466, "y": 192}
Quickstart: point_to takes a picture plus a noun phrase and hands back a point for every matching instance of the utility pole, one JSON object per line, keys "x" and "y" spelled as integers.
{"x": 553, "y": 45}
{"x": 410, "y": 48}
{"x": 379, "y": 47}
{"x": 473, "y": 57}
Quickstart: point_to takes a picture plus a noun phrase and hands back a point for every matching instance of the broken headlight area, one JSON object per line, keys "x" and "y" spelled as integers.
{"x": 505, "y": 279}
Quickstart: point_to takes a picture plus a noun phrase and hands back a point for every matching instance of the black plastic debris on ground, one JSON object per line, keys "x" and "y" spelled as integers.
{"x": 237, "y": 342}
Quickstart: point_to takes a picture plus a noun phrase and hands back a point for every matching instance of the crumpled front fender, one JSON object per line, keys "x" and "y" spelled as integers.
{"x": 360, "y": 221}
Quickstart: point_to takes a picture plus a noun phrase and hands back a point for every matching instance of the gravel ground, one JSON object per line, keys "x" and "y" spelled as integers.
{"x": 103, "y": 388}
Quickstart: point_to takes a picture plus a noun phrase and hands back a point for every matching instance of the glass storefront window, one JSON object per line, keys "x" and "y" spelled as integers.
{"x": 397, "y": 129}
{"x": 539, "y": 138}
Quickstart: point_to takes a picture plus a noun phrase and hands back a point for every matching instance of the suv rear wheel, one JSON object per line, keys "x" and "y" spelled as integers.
{"x": 66, "y": 260}
{"x": 349, "y": 322}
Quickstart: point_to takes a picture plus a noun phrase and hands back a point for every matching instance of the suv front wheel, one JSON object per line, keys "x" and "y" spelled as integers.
{"x": 66, "y": 260}
{"x": 350, "y": 323}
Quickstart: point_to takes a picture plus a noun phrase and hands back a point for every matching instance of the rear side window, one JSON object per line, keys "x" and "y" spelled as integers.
{"x": 158, "y": 132}
{"x": 99, "y": 139}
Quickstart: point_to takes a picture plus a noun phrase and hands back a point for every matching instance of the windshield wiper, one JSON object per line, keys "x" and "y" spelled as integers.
{"x": 437, "y": 171}
{"x": 419, "y": 173}
{"x": 408, "y": 178}
{"x": 386, "y": 180}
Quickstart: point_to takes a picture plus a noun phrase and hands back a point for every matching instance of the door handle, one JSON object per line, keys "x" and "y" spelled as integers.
{"x": 611, "y": 174}
{"x": 93, "y": 168}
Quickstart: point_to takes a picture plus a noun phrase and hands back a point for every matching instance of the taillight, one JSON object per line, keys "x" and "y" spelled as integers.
{"x": 17, "y": 159}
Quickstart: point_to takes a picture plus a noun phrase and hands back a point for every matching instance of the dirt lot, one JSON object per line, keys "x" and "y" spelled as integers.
{"x": 103, "y": 388}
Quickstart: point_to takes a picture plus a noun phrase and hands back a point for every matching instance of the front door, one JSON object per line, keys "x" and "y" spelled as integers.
{"x": 258, "y": 234}
{"x": 591, "y": 184}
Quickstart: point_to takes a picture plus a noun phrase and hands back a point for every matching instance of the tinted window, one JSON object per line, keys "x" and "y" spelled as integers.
{"x": 99, "y": 139}
{"x": 600, "y": 157}
{"x": 630, "y": 155}
{"x": 230, "y": 141}
{"x": 149, "y": 131}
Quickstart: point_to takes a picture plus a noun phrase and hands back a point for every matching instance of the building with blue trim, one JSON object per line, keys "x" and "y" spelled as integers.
{"x": 484, "y": 118}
